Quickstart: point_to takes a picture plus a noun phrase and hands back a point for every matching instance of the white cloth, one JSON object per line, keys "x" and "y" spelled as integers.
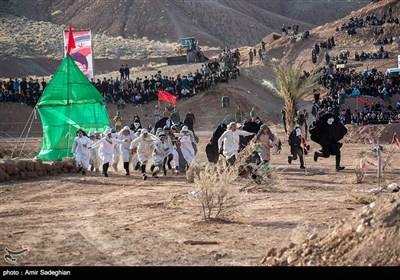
{"x": 160, "y": 151}
{"x": 125, "y": 148}
{"x": 144, "y": 147}
{"x": 107, "y": 148}
{"x": 81, "y": 151}
{"x": 231, "y": 142}
{"x": 187, "y": 149}
{"x": 94, "y": 158}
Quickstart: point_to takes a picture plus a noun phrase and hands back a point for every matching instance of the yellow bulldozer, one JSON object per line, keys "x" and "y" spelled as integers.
{"x": 187, "y": 52}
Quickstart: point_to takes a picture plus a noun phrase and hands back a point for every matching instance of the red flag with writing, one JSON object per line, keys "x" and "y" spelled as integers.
{"x": 71, "y": 41}
{"x": 395, "y": 140}
{"x": 365, "y": 102}
{"x": 166, "y": 96}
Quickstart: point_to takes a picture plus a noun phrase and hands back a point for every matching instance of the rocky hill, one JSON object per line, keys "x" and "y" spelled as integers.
{"x": 213, "y": 22}
{"x": 139, "y": 31}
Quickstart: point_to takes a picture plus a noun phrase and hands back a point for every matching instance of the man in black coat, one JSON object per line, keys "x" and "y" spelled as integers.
{"x": 327, "y": 132}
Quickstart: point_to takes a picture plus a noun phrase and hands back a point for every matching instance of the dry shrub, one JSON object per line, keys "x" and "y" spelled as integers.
{"x": 368, "y": 157}
{"x": 360, "y": 198}
{"x": 388, "y": 154}
{"x": 215, "y": 193}
{"x": 359, "y": 174}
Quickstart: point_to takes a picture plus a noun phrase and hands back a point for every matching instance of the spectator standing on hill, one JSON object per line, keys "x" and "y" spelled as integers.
{"x": 118, "y": 121}
{"x": 176, "y": 119}
{"x": 126, "y": 72}
{"x": 189, "y": 120}
{"x": 251, "y": 58}
{"x": 122, "y": 72}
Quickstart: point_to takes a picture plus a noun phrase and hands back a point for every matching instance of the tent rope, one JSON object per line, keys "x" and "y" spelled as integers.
{"x": 27, "y": 134}
{"x": 3, "y": 139}
{"x": 23, "y": 131}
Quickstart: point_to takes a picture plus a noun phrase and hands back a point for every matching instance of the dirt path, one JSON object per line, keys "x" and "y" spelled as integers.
{"x": 76, "y": 220}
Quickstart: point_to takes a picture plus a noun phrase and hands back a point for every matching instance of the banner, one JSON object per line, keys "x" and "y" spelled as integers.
{"x": 166, "y": 96}
{"x": 364, "y": 102}
{"x": 82, "y": 53}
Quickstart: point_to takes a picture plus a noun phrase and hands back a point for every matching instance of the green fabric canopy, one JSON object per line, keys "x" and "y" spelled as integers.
{"x": 69, "y": 102}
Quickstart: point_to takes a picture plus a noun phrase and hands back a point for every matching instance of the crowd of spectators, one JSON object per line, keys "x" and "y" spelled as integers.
{"x": 347, "y": 83}
{"x": 140, "y": 90}
{"x": 21, "y": 90}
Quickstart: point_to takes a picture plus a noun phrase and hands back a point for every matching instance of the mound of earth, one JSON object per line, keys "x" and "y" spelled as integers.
{"x": 371, "y": 134}
{"x": 369, "y": 237}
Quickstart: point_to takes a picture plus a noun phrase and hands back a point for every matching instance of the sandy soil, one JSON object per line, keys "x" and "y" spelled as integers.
{"x": 77, "y": 220}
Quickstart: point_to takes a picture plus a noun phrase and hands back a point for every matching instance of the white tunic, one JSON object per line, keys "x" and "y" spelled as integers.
{"x": 94, "y": 158}
{"x": 144, "y": 147}
{"x": 125, "y": 148}
{"x": 231, "y": 142}
{"x": 107, "y": 148}
{"x": 80, "y": 151}
{"x": 187, "y": 148}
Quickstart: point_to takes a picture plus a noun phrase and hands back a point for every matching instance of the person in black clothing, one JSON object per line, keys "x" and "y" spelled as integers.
{"x": 284, "y": 120}
{"x": 328, "y": 131}
{"x": 189, "y": 120}
{"x": 126, "y": 72}
{"x": 122, "y": 72}
{"x": 296, "y": 149}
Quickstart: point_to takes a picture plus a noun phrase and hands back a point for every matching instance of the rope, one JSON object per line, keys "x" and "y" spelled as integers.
{"x": 5, "y": 140}
{"x": 19, "y": 139}
{"x": 27, "y": 134}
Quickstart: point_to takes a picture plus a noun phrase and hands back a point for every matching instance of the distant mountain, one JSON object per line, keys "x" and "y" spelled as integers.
{"x": 214, "y": 22}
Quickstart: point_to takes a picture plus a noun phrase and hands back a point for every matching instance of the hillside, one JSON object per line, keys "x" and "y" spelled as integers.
{"x": 213, "y": 22}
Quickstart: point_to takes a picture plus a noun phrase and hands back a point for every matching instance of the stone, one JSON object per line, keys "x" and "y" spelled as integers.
{"x": 360, "y": 228}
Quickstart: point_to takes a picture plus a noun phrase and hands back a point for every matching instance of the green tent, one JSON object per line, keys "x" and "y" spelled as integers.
{"x": 68, "y": 103}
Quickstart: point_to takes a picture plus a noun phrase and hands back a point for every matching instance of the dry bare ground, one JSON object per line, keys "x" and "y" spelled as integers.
{"x": 80, "y": 220}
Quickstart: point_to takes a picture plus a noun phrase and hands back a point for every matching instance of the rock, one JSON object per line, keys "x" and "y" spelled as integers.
{"x": 2, "y": 167}
{"x": 313, "y": 236}
{"x": 3, "y": 175}
{"x": 372, "y": 205}
{"x": 291, "y": 245}
{"x": 347, "y": 229}
{"x": 291, "y": 259}
{"x": 271, "y": 252}
{"x": 11, "y": 167}
{"x": 37, "y": 166}
{"x": 21, "y": 165}
{"x": 23, "y": 175}
{"x": 30, "y": 166}
{"x": 360, "y": 228}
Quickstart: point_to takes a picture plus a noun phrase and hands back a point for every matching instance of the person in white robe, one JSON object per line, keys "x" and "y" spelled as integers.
{"x": 106, "y": 150}
{"x": 186, "y": 145}
{"x": 80, "y": 151}
{"x": 129, "y": 135}
{"x": 94, "y": 158}
{"x": 229, "y": 142}
{"x": 142, "y": 146}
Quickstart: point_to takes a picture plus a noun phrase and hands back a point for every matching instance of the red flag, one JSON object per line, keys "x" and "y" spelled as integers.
{"x": 395, "y": 140}
{"x": 71, "y": 41}
{"x": 166, "y": 96}
{"x": 359, "y": 99}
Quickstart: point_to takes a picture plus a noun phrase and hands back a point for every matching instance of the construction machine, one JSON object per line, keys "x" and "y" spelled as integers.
{"x": 188, "y": 52}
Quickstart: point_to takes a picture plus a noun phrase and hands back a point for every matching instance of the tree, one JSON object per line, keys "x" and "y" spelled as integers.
{"x": 291, "y": 85}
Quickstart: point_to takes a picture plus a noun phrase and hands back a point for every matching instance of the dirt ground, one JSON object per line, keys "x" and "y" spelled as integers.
{"x": 76, "y": 220}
